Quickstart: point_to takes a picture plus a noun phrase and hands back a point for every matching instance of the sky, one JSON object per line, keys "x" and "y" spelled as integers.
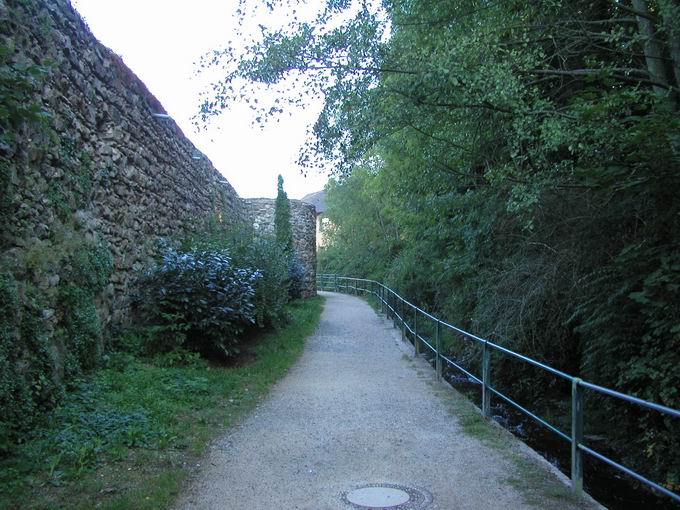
{"x": 161, "y": 41}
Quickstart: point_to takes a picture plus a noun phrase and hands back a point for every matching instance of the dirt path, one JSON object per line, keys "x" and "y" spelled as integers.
{"x": 357, "y": 409}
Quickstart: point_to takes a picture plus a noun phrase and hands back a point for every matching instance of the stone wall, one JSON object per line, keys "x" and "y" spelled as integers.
{"x": 102, "y": 164}
{"x": 104, "y": 169}
{"x": 260, "y": 211}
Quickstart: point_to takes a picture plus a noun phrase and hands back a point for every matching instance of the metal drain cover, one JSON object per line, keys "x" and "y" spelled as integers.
{"x": 378, "y": 497}
{"x": 387, "y": 495}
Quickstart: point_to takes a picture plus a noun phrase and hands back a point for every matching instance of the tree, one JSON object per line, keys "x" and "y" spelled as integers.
{"x": 282, "y": 220}
{"x": 284, "y": 239}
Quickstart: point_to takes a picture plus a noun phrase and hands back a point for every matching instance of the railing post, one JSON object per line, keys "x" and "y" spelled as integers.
{"x": 403, "y": 323}
{"x": 416, "y": 343}
{"x": 437, "y": 346}
{"x": 380, "y": 297}
{"x": 576, "y": 437}
{"x": 486, "y": 380}
{"x": 394, "y": 310}
{"x": 336, "y": 287}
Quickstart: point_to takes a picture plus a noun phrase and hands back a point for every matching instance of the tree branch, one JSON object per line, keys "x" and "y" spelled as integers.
{"x": 443, "y": 140}
{"x": 630, "y": 10}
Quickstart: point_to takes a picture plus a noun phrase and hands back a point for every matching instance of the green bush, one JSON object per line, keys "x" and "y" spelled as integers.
{"x": 297, "y": 274}
{"x": 13, "y": 395}
{"x": 91, "y": 267}
{"x": 28, "y": 383}
{"x": 201, "y": 297}
{"x": 80, "y": 330}
{"x": 271, "y": 289}
{"x": 247, "y": 249}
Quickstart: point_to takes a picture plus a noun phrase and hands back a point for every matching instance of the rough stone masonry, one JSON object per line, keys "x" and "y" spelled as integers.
{"x": 107, "y": 165}
{"x": 261, "y": 212}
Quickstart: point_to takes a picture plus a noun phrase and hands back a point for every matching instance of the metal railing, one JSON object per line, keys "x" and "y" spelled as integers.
{"x": 397, "y": 308}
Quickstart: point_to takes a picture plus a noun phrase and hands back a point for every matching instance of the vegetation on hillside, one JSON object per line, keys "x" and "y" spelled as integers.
{"x": 512, "y": 166}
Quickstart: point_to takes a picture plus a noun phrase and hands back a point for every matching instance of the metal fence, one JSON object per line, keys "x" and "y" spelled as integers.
{"x": 399, "y": 309}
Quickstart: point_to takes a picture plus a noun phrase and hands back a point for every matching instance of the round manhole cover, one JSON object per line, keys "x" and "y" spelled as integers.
{"x": 378, "y": 497}
{"x": 387, "y": 495}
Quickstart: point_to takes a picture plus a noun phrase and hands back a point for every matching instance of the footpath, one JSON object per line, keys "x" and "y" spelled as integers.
{"x": 357, "y": 411}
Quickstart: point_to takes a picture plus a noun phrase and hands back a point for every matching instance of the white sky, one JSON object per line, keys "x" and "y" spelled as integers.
{"x": 161, "y": 40}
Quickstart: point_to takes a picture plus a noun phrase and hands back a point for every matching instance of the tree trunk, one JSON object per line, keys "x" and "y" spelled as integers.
{"x": 652, "y": 47}
{"x": 670, "y": 13}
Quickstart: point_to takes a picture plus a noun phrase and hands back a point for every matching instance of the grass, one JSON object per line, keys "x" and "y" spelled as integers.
{"x": 535, "y": 483}
{"x": 537, "y": 486}
{"x": 128, "y": 436}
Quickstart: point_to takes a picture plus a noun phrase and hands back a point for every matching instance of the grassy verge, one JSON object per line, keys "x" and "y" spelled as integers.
{"x": 128, "y": 436}
{"x": 537, "y": 485}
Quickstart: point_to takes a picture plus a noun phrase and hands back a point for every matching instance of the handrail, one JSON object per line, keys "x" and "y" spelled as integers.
{"x": 388, "y": 299}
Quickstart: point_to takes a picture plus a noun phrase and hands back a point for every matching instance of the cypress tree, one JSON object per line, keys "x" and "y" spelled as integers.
{"x": 284, "y": 230}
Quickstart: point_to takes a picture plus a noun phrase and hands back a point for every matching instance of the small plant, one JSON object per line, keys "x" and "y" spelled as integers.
{"x": 179, "y": 358}
{"x": 271, "y": 291}
{"x": 203, "y": 296}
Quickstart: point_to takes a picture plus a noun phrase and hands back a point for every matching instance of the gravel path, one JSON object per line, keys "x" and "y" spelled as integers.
{"x": 357, "y": 409}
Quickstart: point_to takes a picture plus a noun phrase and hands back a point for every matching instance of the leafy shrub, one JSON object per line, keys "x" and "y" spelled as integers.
{"x": 202, "y": 296}
{"x": 255, "y": 251}
{"x": 77, "y": 434}
{"x": 13, "y": 396}
{"x": 180, "y": 358}
{"x": 91, "y": 267}
{"x": 87, "y": 271}
{"x": 297, "y": 274}
{"x": 271, "y": 289}
{"x": 27, "y": 379}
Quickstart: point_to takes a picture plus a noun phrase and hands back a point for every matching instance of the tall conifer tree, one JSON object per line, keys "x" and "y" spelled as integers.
{"x": 284, "y": 230}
